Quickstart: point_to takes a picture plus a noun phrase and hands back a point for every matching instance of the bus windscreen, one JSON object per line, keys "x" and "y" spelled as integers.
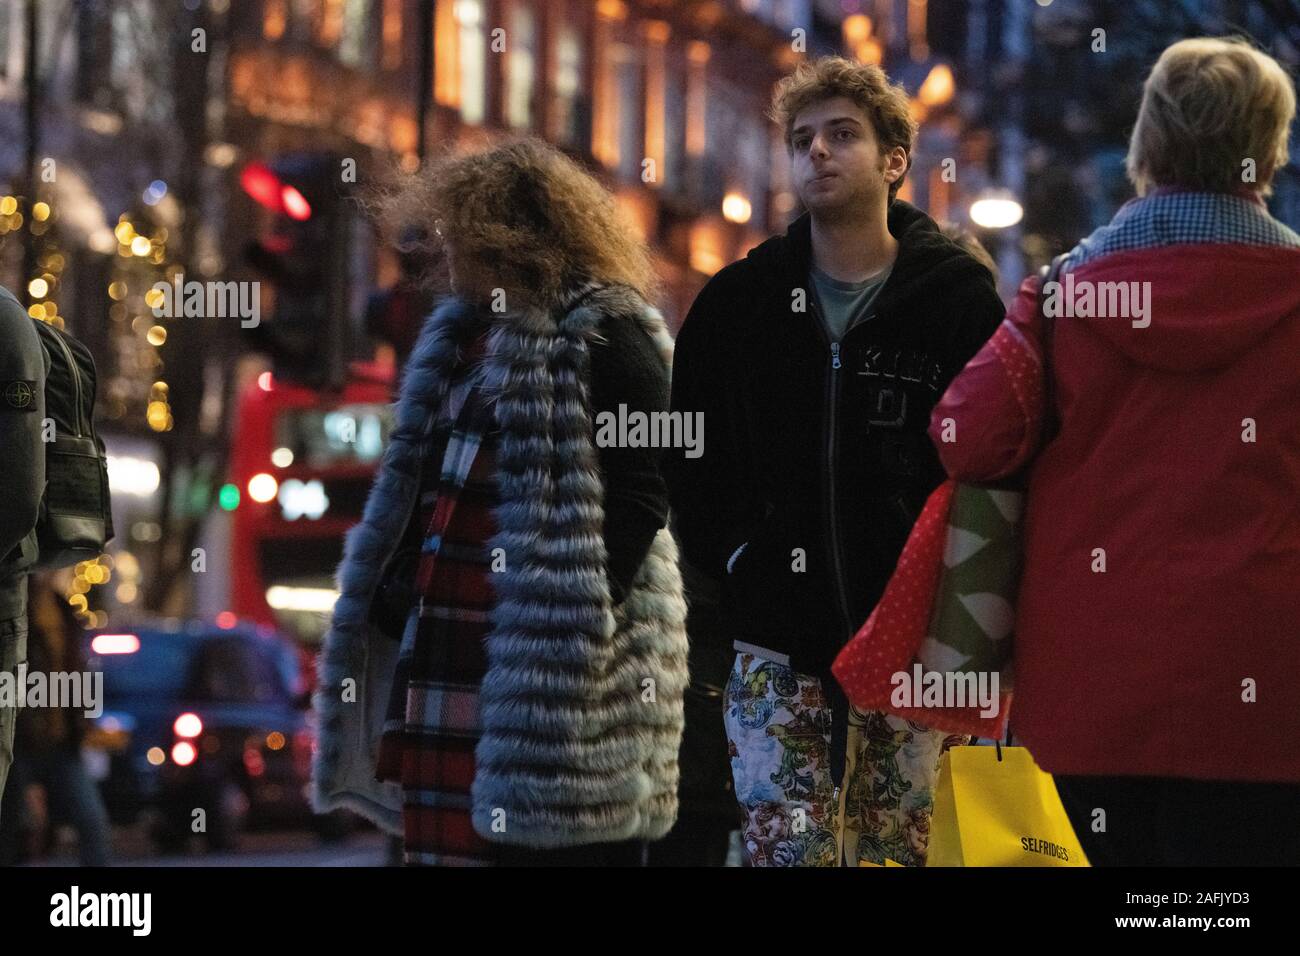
{"x": 323, "y": 438}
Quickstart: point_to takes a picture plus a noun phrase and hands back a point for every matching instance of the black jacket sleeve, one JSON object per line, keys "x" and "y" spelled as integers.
{"x": 708, "y": 491}
{"x": 979, "y": 314}
{"x": 626, "y": 370}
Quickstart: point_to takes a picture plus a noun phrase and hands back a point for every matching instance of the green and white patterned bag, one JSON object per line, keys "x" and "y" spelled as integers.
{"x": 975, "y": 606}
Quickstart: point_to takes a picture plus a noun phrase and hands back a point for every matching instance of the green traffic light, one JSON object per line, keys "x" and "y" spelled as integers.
{"x": 229, "y": 497}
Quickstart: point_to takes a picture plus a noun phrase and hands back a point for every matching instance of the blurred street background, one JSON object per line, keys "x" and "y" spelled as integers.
{"x": 234, "y": 141}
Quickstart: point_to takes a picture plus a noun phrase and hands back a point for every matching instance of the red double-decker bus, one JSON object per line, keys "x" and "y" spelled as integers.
{"x": 301, "y": 464}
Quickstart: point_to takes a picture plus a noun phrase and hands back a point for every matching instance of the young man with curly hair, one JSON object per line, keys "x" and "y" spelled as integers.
{"x": 817, "y": 359}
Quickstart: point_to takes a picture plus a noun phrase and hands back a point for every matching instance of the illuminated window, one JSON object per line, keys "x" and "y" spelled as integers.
{"x": 446, "y": 72}
{"x": 344, "y": 435}
{"x": 938, "y": 87}
{"x": 275, "y": 16}
{"x": 329, "y": 21}
{"x": 608, "y": 57}
{"x": 627, "y": 67}
{"x": 697, "y": 98}
{"x": 392, "y": 34}
{"x": 656, "y": 36}
{"x": 521, "y": 66}
{"x": 354, "y": 48}
{"x": 707, "y": 247}
{"x": 917, "y": 12}
{"x": 781, "y": 13}
{"x": 122, "y": 62}
{"x": 473, "y": 65}
{"x": 571, "y": 115}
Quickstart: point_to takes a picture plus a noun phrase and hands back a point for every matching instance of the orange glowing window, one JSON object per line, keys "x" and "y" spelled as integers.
{"x": 329, "y": 21}
{"x": 392, "y": 34}
{"x": 656, "y": 34}
{"x": 446, "y": 67}
{"x": 697, "y": 54}
{"x": 521, "y": 66}
{"x": 917, "y": 13}
{"x": 275, "y": 17}
{"x": 604, "y": 133}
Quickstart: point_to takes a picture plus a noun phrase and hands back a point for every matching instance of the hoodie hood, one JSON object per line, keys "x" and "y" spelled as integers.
{"x": 926, "y": 257}
{"x": 1190, "y": 308}
{"x": 1184, "y": 281}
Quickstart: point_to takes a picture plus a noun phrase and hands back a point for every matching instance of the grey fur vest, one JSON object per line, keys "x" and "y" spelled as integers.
{"x": 582, "y": 705}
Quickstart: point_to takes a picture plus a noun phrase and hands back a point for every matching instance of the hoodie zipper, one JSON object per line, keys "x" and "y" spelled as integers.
{"x": 833, "y": 401}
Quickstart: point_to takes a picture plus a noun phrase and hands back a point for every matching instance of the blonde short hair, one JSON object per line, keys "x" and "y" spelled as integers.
{"x": 1209, "y": 105}
{"x": 827, "y": 77}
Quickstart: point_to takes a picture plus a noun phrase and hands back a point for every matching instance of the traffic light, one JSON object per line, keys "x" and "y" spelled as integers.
{"x": 302, "y": 252}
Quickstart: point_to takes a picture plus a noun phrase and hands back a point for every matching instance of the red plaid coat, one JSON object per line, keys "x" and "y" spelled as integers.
{"x": 432, "y": 724}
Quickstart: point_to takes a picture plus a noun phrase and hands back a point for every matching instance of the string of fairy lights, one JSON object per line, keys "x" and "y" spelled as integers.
{"x": 135, "y": 334}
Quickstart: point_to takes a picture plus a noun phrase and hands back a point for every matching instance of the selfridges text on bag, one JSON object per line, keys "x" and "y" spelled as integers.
{"x": 993, "y": 806}
{"x": 75, "y": 521}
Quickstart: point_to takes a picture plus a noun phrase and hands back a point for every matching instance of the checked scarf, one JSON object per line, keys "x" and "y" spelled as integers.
{"x": 432, "y": 722}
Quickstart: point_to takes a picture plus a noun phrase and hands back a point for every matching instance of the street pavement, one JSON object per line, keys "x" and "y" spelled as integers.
{"x": 270, "y": 848}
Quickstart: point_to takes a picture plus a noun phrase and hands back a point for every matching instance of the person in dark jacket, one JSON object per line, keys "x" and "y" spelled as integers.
{"x": 23, "y": 369}
{"x": 707, "y": 820}
{"x": 394, "y": 315}
{"x": 48, "y": 740}
{"x": 816, "y": 361}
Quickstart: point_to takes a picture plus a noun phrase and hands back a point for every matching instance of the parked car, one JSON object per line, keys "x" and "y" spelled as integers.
{"x": 206, "y": 724}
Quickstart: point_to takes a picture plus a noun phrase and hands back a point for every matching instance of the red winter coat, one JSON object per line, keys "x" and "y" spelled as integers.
{"x": 1178, "y": 464}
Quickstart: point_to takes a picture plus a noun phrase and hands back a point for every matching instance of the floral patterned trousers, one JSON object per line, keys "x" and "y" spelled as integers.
{"x": 778, "y": 734}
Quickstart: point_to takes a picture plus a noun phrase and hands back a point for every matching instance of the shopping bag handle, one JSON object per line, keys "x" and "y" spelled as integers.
{"x": 997, "y": 743}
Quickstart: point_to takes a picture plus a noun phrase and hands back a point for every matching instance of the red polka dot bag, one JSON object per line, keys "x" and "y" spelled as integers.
{"x": 937, "y": 647}
{"x": 897, "y": 664}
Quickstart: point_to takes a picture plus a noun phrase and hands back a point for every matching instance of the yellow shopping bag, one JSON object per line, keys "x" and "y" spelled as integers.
{"x": 991, "y": 812}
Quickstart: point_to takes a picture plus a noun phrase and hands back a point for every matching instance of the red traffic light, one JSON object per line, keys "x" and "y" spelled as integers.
{"x": 263, "y": 185}
{"x": 260, "y": 182}
{"x": 295, "y": 204}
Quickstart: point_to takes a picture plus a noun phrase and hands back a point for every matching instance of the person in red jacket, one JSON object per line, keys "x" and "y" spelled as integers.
{"x": 1157, "y": 633}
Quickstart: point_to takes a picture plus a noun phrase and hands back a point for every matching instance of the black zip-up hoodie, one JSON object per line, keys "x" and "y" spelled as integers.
{"x": 816, "y": 455}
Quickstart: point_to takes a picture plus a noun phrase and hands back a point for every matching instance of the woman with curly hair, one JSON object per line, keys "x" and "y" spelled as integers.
{"x": 503, "y": 679}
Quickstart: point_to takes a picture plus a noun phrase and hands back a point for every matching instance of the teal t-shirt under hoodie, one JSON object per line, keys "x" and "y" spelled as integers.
{"x": 845, "y": 304}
